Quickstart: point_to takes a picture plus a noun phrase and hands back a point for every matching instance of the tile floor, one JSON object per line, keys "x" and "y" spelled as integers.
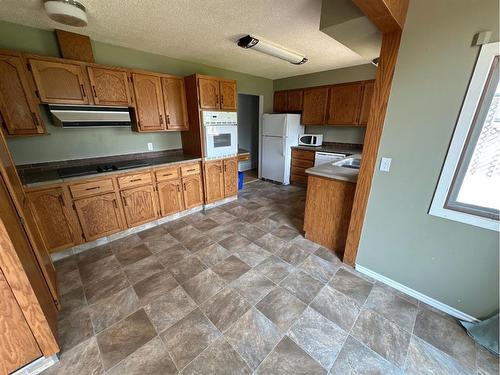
{"x": 238, "y": 290}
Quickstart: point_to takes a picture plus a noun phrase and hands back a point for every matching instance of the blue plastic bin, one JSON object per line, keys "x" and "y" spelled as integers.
{"x": 240, "y": 180}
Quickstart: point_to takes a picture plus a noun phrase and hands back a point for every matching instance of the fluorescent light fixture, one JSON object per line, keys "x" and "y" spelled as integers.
{"x": 271, "y": 49}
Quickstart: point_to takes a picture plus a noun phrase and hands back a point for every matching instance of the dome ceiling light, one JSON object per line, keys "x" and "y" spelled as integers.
{"x": 67, "y": 12}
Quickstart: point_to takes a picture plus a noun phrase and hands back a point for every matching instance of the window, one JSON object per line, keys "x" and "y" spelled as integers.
{"x": 469, "y": 186}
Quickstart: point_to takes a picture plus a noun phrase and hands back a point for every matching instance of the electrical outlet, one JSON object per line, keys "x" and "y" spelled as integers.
{"x": 385, "y": 164}
{"x": 150, "y": 146}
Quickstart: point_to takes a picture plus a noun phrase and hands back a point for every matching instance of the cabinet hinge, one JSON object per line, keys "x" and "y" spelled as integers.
{"x": 29, "y": 67}
{"x": 21, "y": 221}
{"x": 74, "y": 207}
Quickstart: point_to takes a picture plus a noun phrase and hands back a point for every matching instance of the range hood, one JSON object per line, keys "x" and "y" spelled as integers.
{"x": 69, "y": 116}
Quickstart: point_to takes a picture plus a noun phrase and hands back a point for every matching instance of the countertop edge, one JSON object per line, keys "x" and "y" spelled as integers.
{"x": 332, "y": 176}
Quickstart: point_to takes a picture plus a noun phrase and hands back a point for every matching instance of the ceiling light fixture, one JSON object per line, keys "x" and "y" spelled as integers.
{"x": 271, "y": 49}
{"x": 67, "y": 12}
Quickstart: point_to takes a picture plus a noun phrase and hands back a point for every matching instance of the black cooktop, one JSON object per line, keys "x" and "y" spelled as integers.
{"x": 84, "y": 170}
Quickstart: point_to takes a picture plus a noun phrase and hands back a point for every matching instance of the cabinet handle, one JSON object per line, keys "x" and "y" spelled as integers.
{"x": 136, "y": 179}
{"x": 191, "y": 170}
{"x": 167, "y": 174}
{"x": 161, "y": 119}
{"x": 61, "y": 200}
{"x": 93, "y": 89}
{"x": 178, "y": 188}
{"x": 124, "y": 201}
{"x": 225, "y": 168}
{"x": 168, "y": 119}
{"x": 93, "y": 188}
{"x": 115, "y": 203}
{"x": 222, "y": 100}
{"x": 83, "y": 90}
{"x": 217, "y": 99}
{"x": 184, "y": 184}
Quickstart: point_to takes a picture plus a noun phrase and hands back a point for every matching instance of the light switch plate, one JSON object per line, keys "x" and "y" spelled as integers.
{"x": 150, "y": 146}
{"x": 385, "y": 164}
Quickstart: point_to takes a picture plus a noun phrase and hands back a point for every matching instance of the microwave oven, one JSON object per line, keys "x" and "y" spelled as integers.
{"x": 311, "y": 140}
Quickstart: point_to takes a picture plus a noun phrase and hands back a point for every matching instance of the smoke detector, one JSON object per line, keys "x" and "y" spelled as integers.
{"x": 67, "y": 12}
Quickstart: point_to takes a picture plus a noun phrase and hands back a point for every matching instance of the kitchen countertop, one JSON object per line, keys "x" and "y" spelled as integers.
{"x": 333, "y": 147}
{"x": 334, "y": 172}
{"x": 32, "y": 179}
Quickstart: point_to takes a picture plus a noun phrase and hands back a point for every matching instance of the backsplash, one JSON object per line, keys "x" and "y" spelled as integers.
{"x": 346, "y": 134}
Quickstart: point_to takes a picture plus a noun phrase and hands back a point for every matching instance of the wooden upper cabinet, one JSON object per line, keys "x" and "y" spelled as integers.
{"x": 366, "y": 102}
{"x": 53, "y": 218}
{"x": 294, "y": 100}
{"x": 208, "y": 91}
{"x": 19, "y": 110}
{"x": 149, "y": 102}
{"x": 170, "y": 194}
{"x": 314, "y": 106}
{"x": 174, "y": 99}
{"x": 344, "y": 104}
{"x": 139, "y": 205}
{"x": 230, "y": 177}
{"x": 60, "y": 83}
{"x": 109, "y": 86}
{"x": 214, "y": 181}
{"x": 228, "y": 95}
{"x": 192, "y": 187}
{"x": 279, "y": 101}
{"x": 99, "y": 216}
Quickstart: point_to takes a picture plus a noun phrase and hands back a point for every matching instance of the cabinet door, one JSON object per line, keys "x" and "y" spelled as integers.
{"x": 230, "y": 177}
{"x": 60, "y": 83}
{"x": 294, "y": 100}
{"x": 19, "y": 111}
{"x": 174, "y": 99}
{"x": 214, "y": 181}
{"x": 208, "y": 90}
{"x": 99, "y": 216}
{"x": 365, "y": 104}
{"x": 314, "y": 106}
{"x": 139, "y": 205}
{"x": 228, "y": 95}
{"x": 148, "y": 102}
{"x": 193, "y": 191}
{"x": 279, "y": 101}
{"x": 344, "y": 104}
{"x": 109, "y": 86}
{"x": 170, "y": 194}
{"x": 53, "y": 218}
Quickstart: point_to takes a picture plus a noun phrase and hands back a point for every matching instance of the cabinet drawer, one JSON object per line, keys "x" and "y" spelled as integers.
{"x": 166, "y": 174}
{"x": 298, "y": 179}
{"x": 302, "y": 154}
{"x": 132, "y": 180}
{"x": 302, "y": 163}
{"x": 191, "y": 169}
{"x": 299, "y": 171}
{"x": 89, "y": 188}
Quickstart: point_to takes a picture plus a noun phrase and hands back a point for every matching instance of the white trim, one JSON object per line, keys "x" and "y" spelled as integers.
{"x": 420, "y": 296}
{"x": 37, "y": 366}
{"x": 467, "y": 113}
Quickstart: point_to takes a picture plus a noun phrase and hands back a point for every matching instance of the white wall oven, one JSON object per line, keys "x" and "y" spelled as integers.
{"x": 220, "y": 131}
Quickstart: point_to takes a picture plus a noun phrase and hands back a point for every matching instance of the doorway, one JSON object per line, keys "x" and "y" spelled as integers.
{"x": 248, "y": 134}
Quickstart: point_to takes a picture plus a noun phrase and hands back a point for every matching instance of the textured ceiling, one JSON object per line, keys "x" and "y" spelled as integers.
{"x": 205, "y": 31}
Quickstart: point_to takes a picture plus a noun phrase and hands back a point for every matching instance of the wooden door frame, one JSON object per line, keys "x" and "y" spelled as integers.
{"x": 389, "y": 17}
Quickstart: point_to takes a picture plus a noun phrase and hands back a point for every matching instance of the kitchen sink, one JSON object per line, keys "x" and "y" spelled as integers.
{"x": 350, "y": 162}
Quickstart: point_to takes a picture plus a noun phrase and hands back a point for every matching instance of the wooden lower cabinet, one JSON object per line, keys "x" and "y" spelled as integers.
{"x": 170, "y": 195}
{"x": 214, "y": 181}
{"x": 99, "y": 216}
{"x": 230, "y": 177}
{"x": 54, "y": 218}
{"x": 301, "y": 160}
{"x": 193, "y": 191}
{"x": 139, "y": 205}
{"x": 328, "y": 211}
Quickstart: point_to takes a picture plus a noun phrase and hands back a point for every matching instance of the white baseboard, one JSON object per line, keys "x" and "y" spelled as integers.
{"x": 421, "y": 297}
{"x": 37, "y": 366}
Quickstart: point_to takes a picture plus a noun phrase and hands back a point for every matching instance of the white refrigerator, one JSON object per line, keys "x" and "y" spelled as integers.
{"x": 280, "y": 131}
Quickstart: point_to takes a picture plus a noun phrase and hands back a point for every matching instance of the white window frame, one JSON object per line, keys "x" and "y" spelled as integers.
{"x": 464, "y": 124}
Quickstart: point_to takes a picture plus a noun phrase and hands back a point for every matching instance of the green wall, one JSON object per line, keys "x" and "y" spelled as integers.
{"x": 64, "y": 144}
{"x": 452, "y": 262}
{"x": 350, "y": 74}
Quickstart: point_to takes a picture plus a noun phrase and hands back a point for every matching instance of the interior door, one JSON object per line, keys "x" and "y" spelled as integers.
{"x": 174, "y": 98}
{"x": 109, "y": 86}
{"x": 149, "y": 102}
{"x": 273, "y": 158}
{"x": 59, "y": 83}
{"x": 214, "y": 181}
{"x": 19, "y": 111}
{"x": 170, "y": 194}
{"x": 228, "y": 95}
{"x": 139, "y": 205}
{"x": 208, "y": 89}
